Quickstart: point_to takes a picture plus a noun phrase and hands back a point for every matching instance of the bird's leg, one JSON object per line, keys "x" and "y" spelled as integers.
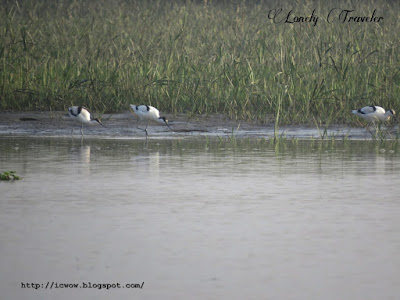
{"x": 169, "y": 127}
{"x": 374, "y": 133}
{"x": 376, "y": 127}
{"x": 145, "y": 130}
{"x": 81, "y": 129}
{"x": 367, "y": 128}
{"x": 379, "y": 130}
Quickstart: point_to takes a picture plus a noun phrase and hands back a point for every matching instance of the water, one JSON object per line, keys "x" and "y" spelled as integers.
{"x": 198, "y": 219}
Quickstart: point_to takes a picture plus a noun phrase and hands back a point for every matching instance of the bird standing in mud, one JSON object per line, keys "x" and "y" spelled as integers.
{"x": 374, "y": 113}
{"x": 82, "y": 115}
{"x": 149, "y": 113}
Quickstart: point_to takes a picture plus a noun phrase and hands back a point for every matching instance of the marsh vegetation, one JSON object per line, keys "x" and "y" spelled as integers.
{"x": 9, "y": 175}
{"x": 199, "y": 57}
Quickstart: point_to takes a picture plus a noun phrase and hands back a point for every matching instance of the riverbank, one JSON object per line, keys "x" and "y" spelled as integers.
{"x": 125, "y": 126}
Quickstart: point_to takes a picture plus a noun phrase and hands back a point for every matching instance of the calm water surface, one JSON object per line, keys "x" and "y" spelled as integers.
{"x": 198, "y": 219}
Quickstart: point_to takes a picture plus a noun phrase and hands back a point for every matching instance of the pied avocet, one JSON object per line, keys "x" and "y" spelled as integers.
{"x": 149, "y": 113}
{"x": 82, "y": 115}
{"x": 374, "y": 113}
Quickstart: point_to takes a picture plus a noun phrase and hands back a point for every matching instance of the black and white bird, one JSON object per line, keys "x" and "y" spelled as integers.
{"x": 374, "y": 113}
{"x": 82, "y": 115}
{"x": 149, "y": 113}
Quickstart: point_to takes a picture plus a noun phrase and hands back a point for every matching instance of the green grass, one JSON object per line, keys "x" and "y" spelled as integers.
{"x": 199, "y": 57}
{"x": 9, "y": 175}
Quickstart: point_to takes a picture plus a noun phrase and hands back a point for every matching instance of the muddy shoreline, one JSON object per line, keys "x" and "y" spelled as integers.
{"x": 125, "y": 126}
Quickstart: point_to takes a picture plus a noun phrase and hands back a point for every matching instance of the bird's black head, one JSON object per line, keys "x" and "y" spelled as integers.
{"x": 165, "y": 121}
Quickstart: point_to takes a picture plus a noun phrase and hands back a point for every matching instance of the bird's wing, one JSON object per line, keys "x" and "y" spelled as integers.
{"x": 140, "y": 108}
{"x": 144, "y": 108}
{"x": 74, "y": 110}
{"x": 367, "y": 109}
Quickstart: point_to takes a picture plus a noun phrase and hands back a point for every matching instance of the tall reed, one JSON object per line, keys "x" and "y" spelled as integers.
{"x": 199, "y": 57}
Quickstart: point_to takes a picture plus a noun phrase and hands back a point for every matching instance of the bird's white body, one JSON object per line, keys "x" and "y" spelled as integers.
{"x": 82, "y": 115}
{"x": 149, "y": 113}
{"x": 374, "y": 113}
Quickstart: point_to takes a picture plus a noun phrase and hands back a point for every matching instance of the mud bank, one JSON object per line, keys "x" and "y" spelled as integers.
{"x": 125, "y": 126}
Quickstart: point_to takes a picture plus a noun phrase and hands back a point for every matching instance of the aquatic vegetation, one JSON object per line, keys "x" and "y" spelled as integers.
{"x": 232, "y": 138}
{"x": 9, "y": 175}
{"x": 323, "y": 134}
{"x": 383, "y": 136}
{"x": 191, "y": 57}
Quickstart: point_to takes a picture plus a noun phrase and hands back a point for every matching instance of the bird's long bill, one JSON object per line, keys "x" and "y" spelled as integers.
{"x": 98, "y": 121}
{"x": 169, "y": 127}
